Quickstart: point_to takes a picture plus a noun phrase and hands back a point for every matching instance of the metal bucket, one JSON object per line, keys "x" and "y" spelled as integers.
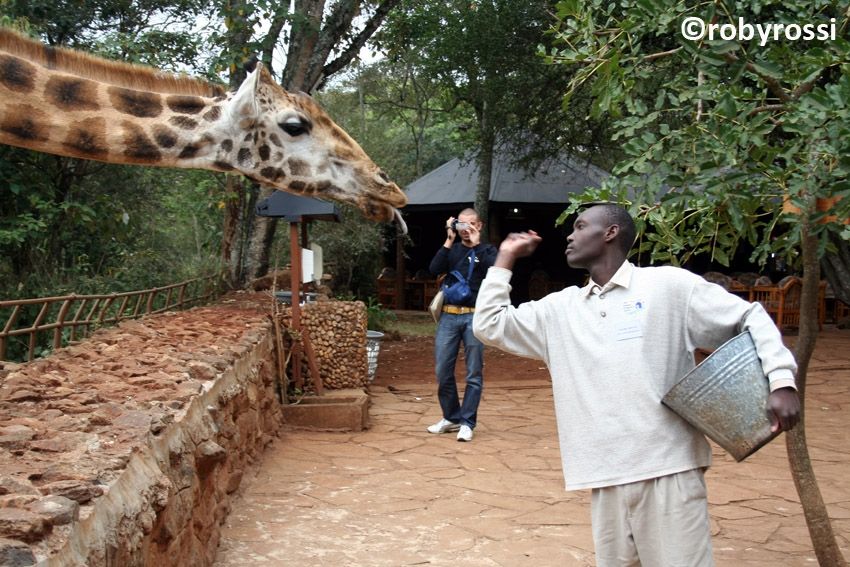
{"x": 373, "y": 348}
{"x": 725, "y": 397}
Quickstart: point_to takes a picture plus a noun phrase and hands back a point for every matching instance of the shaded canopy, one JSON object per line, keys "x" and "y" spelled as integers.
{"x": 552, "y": 181}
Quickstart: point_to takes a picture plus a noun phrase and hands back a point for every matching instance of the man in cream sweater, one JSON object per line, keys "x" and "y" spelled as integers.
{"x": 614, "y": 348}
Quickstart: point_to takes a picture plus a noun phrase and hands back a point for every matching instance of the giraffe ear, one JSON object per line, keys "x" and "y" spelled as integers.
{"x": 243, "y": 105}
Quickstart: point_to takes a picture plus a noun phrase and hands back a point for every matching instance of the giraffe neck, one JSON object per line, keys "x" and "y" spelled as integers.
{"x": 73, "y": 105}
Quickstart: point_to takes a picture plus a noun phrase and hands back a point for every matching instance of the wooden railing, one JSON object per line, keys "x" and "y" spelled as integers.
{"x": 82, "y": 314}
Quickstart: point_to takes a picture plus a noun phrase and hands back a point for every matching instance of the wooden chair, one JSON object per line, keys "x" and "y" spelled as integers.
{"x": 431, "y": 289}
{"x": 841, "y": 312}
{"x": 387, "y": 293}
{"x": 781, "y": 301}
{"x": 414, "y": 294}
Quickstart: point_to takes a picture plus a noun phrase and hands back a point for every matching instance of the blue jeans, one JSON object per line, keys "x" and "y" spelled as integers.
{"x": 451, "y": 330}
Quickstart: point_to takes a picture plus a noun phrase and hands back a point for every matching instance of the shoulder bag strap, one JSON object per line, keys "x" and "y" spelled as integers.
{"x": 471, "y": 264}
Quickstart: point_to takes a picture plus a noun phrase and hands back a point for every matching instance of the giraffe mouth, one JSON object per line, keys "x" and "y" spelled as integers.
{"x": 382, "y": 204}
{"x": 383, "y": 212}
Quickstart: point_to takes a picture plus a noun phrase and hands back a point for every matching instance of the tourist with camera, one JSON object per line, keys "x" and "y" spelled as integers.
{"x": 465, "y": 261}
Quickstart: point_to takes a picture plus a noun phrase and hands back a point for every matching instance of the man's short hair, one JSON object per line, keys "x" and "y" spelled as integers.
{"x": 616, "y": 214}
{"x": 469, "y": 211}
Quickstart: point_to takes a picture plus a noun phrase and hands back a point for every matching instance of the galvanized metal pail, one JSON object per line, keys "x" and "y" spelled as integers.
{"x": 725, "y": 397}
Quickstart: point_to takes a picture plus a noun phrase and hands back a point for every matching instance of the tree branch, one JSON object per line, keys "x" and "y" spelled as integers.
{"x": 271, "y": 39}
{"x": 303, "y": 37}
{"x": 774, "y": 86}
{"x": 359, "y": 40}
{"x": 334, "y": 28}
{"x": 660, "y": 54}
{"x": 766, "y": 108}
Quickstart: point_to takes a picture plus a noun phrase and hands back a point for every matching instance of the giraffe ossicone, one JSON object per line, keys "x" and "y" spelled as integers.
{"x": 68, "y": 103}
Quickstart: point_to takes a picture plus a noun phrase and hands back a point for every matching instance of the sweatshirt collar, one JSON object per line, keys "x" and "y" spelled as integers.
{"x": 622, "y": 278}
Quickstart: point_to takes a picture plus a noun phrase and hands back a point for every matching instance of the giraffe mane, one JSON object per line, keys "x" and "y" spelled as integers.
{"x": 118, "y": 73}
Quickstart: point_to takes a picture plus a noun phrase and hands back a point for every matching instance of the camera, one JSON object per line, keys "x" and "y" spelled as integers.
{"x": 459, "y": 225}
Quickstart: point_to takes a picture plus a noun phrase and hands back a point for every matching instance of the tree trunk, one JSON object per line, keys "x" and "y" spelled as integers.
{"x": 231, "y": 243}
{"x": 260, "y": 240}
{"x": 836, "y": 268}
{"x": 814, "y": 509}
{"x": 485, "y": 170}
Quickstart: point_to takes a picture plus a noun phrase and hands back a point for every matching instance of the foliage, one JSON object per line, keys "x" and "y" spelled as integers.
{"x": 716, "y": 133}
{"x": 407, "y": 129}
{"x": 352, "y": 251}
{"x": 485, "y": 54}
{"x": 115, "y": 229}
{"x": 378, "y": 318}
{"x": 160, "y": 33}
{"x": 75, "y": 226}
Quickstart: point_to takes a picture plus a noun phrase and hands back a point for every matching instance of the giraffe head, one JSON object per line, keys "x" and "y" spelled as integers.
{"x": 68, "y": 103}
{"x": 285, "y": 140}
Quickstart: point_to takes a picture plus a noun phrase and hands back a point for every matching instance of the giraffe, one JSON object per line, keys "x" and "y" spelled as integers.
{"x": 68, "y": 103}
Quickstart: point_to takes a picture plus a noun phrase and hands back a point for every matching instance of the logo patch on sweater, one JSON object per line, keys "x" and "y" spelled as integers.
{"x": 634, "y": 306}
{"x": 629, "y": 327}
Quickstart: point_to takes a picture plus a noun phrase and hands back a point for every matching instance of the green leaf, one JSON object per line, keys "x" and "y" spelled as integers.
{"x": 727, "y": 106}
{"x": 768, "y": 69}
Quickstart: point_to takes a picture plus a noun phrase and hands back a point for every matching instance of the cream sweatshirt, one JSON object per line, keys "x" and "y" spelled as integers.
{"x": 613, "y": 352}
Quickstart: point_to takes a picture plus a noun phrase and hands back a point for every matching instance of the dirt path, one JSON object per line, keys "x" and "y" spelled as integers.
{"x": 394, "y": 495}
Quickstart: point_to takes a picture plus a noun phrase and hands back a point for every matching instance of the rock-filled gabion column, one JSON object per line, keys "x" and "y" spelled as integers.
{"x": 338, "y": 333}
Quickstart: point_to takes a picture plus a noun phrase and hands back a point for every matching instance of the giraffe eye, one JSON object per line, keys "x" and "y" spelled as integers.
{"x": 295, "y": 126}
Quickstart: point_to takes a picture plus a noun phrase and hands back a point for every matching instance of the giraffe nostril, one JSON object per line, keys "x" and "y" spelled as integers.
{"x": 384, "y": 177}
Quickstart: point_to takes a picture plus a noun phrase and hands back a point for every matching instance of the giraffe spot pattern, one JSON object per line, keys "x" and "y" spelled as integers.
{"x": 137, "y": 144}
{"x": 324, "y": 122}
{"x": 24, "y": 122}
{"x": 272, "y": 173}
{"x": 274, "y": 139}
{"x": 244, "y": 156}
{"x": 344, "y": 153}
{"x": 183, "y": 122}
{"x": 213, "y": 114}
{"x": 299, "y": 186}
{"x": 298, "y": 167}
{"x": 227, "y": 145}
{"x": 17, "y": 75}
{"x": 341, "y": 137}
{"x": 164, "y": 136}
{"x": 265, "y": 151}
{"x": 184, "y": 104}
{"x": 86, "y": 138}
{"x": 71, "y": 93}
{"x": 189, "y": 151}
{"x": 222, "y": 165}
{"x": 135, "y": 103}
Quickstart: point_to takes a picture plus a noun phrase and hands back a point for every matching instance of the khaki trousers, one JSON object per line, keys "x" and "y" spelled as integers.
{"x": 660, "y": 522}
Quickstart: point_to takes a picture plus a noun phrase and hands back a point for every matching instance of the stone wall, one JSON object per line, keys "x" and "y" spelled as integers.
{"x": 126, "y": 449}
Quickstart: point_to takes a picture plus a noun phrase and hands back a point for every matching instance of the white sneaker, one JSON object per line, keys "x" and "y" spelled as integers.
{"x": 443, "y": 426}
{"x": 465, "y": 433}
